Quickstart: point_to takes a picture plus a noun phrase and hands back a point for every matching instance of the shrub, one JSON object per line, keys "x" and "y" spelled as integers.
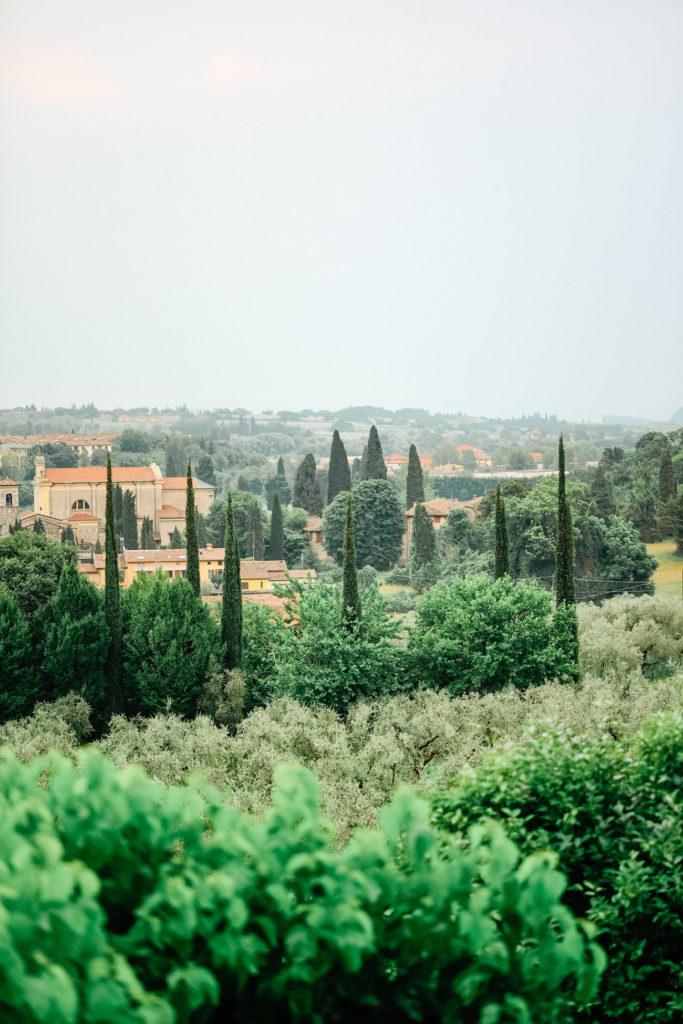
{"x": 122, "y": 901}
{"x": 483, "y": 635}
{"x": 631, "y": 634}
{"x": 378, "y": 525}
{"x": 613, "y": 811}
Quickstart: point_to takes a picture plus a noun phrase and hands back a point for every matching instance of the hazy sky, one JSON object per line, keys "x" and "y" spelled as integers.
{"x": 457, "y": 204}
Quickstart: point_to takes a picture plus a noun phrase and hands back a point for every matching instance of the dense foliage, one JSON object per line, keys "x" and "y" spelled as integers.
{"x": 378, "y": 525}
{"x": 122, "y": 901}
{"x": 613, "y": 812}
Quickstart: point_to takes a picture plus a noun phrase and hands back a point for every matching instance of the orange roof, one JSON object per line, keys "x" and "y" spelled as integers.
{"x": 269, "y": 600}
{"x": 82, "y": 517}
{"x": 442, "y": 506}
{"x": 426, "y": 461}
{"x": 179, "y": 483}
{"x": 396, "y": 458}
{"x": 98, "y": 474}
{"x": 170, "y": 512}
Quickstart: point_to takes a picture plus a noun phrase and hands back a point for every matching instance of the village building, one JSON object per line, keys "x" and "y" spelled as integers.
{"x": 437, "y": 509}
{"x": 77, "y": 497}
{"x": 17, "y": 446}
{"x": 313, "y": 527}
{"x": 257, "y": 576}
{"x": 9, "y": 504}
{"x": 482, "y": 458}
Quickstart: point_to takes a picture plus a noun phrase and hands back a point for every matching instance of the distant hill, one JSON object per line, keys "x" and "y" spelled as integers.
{"x": 678, "y": 416}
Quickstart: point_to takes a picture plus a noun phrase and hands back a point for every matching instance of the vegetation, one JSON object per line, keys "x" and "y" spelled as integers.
{"x": 501, "y": 565}
{"x": 374, "y": 467}
{"x": 191, "y": 546}
{"x": 92, "y": 892}
{"x": 378, "y": 525}
{"x": 276, "y": 545}
{"x": 231, "y": 609}
{"x": 351, "y": 608}
{"x": 415, "y": 490}
{"x": 339, "y": 473}
{"x": 112, "y": 701}
{"x": 307, "y": 489}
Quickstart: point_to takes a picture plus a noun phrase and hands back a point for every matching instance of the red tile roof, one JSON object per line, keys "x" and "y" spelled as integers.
{"x": 179, "y": 483}
{"x": 82, "y": 517}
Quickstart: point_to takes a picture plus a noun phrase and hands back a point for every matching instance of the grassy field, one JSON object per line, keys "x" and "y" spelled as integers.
{"x": 667, "y": 578}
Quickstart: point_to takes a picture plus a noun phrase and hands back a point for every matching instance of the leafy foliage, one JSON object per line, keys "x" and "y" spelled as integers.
{"x": 599, "y": 804}
{"x": 122, "y": 901}
{"x": 378, "y": 525}
{"x": 31, "y": 566}
{"x": 480, "y": 635}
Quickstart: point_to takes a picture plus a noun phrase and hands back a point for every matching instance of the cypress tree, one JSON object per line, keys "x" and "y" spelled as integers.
{"x": 112, "y": 604}
{"x": 501, "y": 557}
{"x": 565, "y": 590}
{"x": 339, "y": 474}
{"x": 281, "y": 467}
{"x": 231, "y": 612}
{"x": 375, "y": 468}
{"x": 602, "y": 493}
{"x": 38, "y": 526}
{"x": 255, "y": 541}
{"x": 351, "y": 607}
{"x": 667, "y": 479}
{"x": 191, "y": 546}
{"x": 307, "y": 488}
{"x": 423, "y": 541}
{"x": 679, "y": 525}
{"x": 147, "y": 534}
{"x": 68, "y": 535}
{"x": 130, "y": 521}
{"x": 176, "y": 538}
{"x": 277, "y": 532}
{"x": 202, "y": 532}
{"x": 118, "y": 511}
{"x": 415, "y": 488}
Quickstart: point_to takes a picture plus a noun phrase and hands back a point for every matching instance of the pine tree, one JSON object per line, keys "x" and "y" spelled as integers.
{"x": 415, "y": 488}
{"x": 277, "y": 533}
{"x": 501, "y": 557}
{"x": 191, "y": 546}
{"x": 602, "y": 493}
{"x": 38, "y": 526}
{"x": 307, "y": 489}
{"x": 68, "y": 535}
{"x": 351, "y": 607}
{"x": 147, "y": 534}
{"x": 231, "y": 612}
{"x": 118, "y": 511}
{"x": 374, "y": 468}
{"x": 667, "y": 479}
{"x": 339, "y": 474}
{"x": 130, "y": 521}
{"x": 565, "y": 590}
{"x": 112, "y": 605}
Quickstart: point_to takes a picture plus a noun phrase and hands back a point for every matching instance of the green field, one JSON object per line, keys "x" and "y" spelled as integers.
{"x": 668, "y": 578}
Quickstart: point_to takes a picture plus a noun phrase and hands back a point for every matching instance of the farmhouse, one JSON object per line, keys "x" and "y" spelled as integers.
{"x": 438, "y": 510}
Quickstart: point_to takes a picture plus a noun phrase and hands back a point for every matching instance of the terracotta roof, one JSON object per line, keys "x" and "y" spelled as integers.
{"x": 81, "y": 517}
{"x": 179, "y": 483}
{"x": 170, "y": 512}
{"x": 313, "y": 524}
{"x": 133, "y": 556}
{"x": 302, "y": 574}
{"x": 263, "y": 569}
{"x": 98, "y": 474}
{"x": 396, "y": 458}
{"x": 269, "y": 600}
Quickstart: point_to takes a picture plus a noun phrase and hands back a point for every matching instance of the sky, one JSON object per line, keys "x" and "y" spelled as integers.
{"x": 470, "y": 205}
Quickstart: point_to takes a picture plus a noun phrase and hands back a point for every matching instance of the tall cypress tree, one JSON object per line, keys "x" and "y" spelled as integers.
{"x": 191, "y": 546}
{"x": 565, "y": 590}
{"x": 374, "y": 468}
{"x": 231, "y": 612}
{"x": 130, "y": 521}
{"x": 118, "y": 511}
{"x": 276, "y": 548}
{"x": 667, "y": 479}
{"x": 351, "y": 607}
{"x": 68, "y": 535}
{"x": 306, "y": 487}
{"x": 415, "y": 488}
{"x": 339, "y": 474}
{"x": 39, "y": 526}
{"x": 112, "y": 604}
{"x": 501, "y": 566}
{"x": 679, "y": 525}
{"x": 281, "y": 467}
{"x": 147, "y": 534}
{"x": 423, "y": 541}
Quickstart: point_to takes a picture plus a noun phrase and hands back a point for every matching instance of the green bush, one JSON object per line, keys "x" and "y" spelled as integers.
{"x": 483, "y": 635}
{"x": 613, "y": 812}
{"x": 121, "y": 901}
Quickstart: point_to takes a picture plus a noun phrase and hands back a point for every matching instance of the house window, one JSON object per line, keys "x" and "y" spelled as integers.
{"x": 245, "y": 585}
{"x": 81, "y": 504}
{"x": 8, "y": 500}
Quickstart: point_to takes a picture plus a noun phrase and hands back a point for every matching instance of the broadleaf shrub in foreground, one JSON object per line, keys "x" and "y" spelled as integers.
{"x": 613, "y": 812}
{"x": 123, "y": 901}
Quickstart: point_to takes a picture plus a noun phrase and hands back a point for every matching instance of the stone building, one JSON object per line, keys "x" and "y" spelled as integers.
{"x": 77, "y": 496}
{"x": 437, "y": 509}
{"x": 9, "y": 504}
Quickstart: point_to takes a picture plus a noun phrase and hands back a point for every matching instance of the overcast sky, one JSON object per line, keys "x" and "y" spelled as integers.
{"x": 456, "y": 204}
